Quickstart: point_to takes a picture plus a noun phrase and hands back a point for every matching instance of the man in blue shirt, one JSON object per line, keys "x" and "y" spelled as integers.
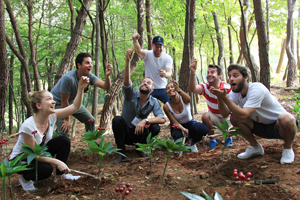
{"x": 130, "y": 127}
{"x": 64, "y": 92}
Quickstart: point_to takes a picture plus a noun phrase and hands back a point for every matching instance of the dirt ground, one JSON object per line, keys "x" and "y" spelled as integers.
{"x": 193, "y": 172}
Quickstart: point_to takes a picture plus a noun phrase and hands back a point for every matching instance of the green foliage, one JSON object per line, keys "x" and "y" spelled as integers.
{"x": 149, "y": 147}
{"x": 93, "y": 136}
{"x": 7, "y": 168}
{"x": 197, "y": 197}
{"x": 171, "y": 147}
{"x": 296, "y": 107}
{"x": 224, "y": 128}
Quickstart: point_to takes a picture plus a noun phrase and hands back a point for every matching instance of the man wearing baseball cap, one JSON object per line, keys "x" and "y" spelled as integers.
{"x": 158, "y": 65}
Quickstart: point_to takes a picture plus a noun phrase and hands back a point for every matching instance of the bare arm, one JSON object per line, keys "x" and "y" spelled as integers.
{"x": 185, "y": 97}
{"x": 66, "y": 111}
{"x": 107, "y": 83}
{"x": 29, "y": 140}
{"x": 128, "y": 56}
{"x": 193, "y": 86}
{"x": 140, "y": 52}
{"x": 140, "y": 126}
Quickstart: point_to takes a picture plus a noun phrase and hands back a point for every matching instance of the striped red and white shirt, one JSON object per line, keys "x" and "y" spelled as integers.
{"x": 211, "y": 99}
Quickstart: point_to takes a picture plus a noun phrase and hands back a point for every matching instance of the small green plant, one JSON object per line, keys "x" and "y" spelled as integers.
{"x": 224, "y": 128}
{"x": 149, "y": 147}
{"x": 171, "y": 147}
{"x": 102, "y": 150}
{"x": 296, "y": 107}
{"x": 93, "y": 136}
{"x": 7, "y": 168}
{"x": 197, "y": 197}
{"x": 36, "y": 153}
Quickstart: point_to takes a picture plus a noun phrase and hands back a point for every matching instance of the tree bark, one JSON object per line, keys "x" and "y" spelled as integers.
{"x": 231, "y": 58}
{"x": 74, "y": 41}
{"x": 72, "y": 15}
{"x": 103, "y": 34}
{"x": 148, "y": 24}
{"x": 282, "y": 51}
{"x": 117, "y": 85}
{"x": 262, "y": 44}
{"x": 289, "y": 44}
{"x": 4, "y": 70}
{"x": 219, "y": 40}
{"x": 10, "y": 97}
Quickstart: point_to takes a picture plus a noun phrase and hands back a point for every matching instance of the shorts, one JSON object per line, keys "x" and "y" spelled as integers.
{"x": 268, "y": 131}
{"x": 215, "y": 119}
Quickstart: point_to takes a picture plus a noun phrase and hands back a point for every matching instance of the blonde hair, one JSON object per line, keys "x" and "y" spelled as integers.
{"x": 35, "y": 97}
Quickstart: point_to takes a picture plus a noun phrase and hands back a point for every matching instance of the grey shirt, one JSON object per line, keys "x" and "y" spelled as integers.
{"x": 132, "y": 106}
{"x": 68, "y": 84}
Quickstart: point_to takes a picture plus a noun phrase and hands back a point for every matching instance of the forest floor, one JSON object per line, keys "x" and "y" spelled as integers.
{"x": 193, "y": 172}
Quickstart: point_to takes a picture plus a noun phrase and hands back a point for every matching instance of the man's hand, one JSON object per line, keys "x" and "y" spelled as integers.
{"x": 66, "y": 126}
{"x": 219, "y": 93}
{"x": 139, "y": 129}
{"x": 128, "y": 54}
{"x": 193, "y": 66}
{"x": 135, "y": 36}
{"x": 108, "y": 70}
{"x": 162, "y": 73}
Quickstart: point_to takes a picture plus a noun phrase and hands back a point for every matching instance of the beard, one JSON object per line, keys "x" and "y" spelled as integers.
{"x": 239, "y": 87}
{"x": 147, "y": 91}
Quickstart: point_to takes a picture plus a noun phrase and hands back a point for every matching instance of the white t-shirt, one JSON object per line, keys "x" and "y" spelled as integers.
{"x": 153, "y": 65}
{"x": 29, "y": 127}
{"x": 258, "y": 96}
{"x": 183, "y": 117}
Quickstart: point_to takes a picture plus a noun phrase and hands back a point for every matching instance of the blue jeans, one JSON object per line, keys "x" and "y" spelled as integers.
{"x": 196, "y": 131}
{"x": 161, "y": 94}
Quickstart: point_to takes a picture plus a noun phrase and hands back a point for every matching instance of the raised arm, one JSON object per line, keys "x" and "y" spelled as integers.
{"x": 107, "y": 83}
{"x": 193, "y": 86}
{"x": 185, "y": 97}
{"x": 64, "y": 112}
{"x": 140, "y": 52}
{"x": 128, "y": 56}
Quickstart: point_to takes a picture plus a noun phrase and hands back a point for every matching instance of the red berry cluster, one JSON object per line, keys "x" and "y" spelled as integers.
{"x": 3, "y": 141}
{"x": 175, "y": 126}
{"x": 125, "y": 188}
{"x": 62, "y": 121}
{"x": 34, "y": 132}
{"x": 240, "y": 176}
{"x": 99, "y": 129}
{"x": 147, "y": 126}
{"x": 90, "y": 120}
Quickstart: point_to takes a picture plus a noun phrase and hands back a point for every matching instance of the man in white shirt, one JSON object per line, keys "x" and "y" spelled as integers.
{"x": 158, "y": 65}
{"x": 256, "y": 111}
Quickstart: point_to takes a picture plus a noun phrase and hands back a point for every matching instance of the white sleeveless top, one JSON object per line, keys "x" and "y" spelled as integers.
{"x": 183, "y": 117}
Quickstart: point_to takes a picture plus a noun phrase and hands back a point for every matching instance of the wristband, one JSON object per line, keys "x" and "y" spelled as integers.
{"x": 192, "y": 74}
{"x": 179, "y": 91}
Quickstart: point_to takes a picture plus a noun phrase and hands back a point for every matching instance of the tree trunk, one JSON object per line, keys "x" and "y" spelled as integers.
{"x": 220, "y": 41}
{"x": 281, "y": 56}
{"x": 4, "y": 70}
{"x": 103, "y": 34}
{"x": 117, "y": 85}
{"x": 74, "y": 41}
{"x": 72, "y": 15}
{"x": 262, "y": 44}
{"x": 37, "y": 85}
{"x": 289, "y": 44}
{"x": 10, "y": 97}
{"x": 298, "y": 34}
{"x": 231, "y": 58}
{"x": 244, "y": 44}
{"x": 188, "y": 49}
{"x": 148, "y": 23}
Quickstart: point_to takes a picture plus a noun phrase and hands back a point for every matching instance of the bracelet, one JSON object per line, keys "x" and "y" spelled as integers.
{"x": 192, "y": 74}
{"x": 179, "y": 91}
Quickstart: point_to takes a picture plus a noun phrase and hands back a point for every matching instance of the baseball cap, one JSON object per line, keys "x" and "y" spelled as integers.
{"x": 158, "y": 40}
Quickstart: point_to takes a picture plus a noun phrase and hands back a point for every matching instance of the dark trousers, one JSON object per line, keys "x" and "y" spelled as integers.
{"x": 125, "y": 135}
{"x": 59, "y": 146}
{"x": 196, "y": 131}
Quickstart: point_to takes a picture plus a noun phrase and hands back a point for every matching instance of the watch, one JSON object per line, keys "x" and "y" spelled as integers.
{"x": 179, "y": 91}
{"x": 147, "y": 121}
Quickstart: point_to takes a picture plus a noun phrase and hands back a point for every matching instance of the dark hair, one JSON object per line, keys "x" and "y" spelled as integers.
{"x": 80, "y": 57}
{"x": 219, "y": 70}
{"x": 242, "y": 69}
{"x": 36, "y": 97}
{"x": 153, "y": 84}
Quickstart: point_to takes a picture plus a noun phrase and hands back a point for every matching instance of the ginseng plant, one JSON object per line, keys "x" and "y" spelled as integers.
{"x": 242, "y": 178}
{"x": 149, "y": 147}
{"x": 7, "y": 168}
{"x": 171, "y": 146}
{"x": 38, "y": 151}
{"x": 102, "y": 150}
{"x": 224, "y": 128}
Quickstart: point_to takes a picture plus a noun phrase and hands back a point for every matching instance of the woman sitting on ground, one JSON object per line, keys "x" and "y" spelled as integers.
{"x": 178, "y": 110}
{"x": 39, "y": 129}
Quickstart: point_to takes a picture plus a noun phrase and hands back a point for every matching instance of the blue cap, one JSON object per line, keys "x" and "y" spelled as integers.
{"x": 158, "y": 40}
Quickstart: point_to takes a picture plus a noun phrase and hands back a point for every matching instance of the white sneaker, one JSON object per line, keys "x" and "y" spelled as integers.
{"x": 252, "y": 151}
{"x": 67, "y": 177}
{"x": 288, "y": 156}
{"x": 27, "y": 186}
{"x": 194, "y": 148}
